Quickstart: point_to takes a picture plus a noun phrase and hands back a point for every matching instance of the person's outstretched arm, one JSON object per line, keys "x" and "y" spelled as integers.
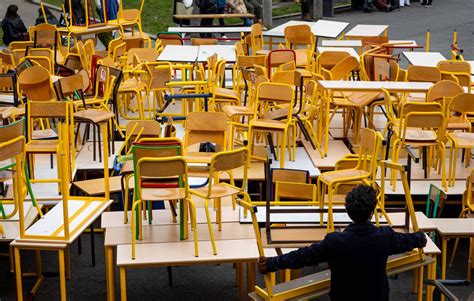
{"x": 297, "y": 259}
{"x": 404, "y": 242}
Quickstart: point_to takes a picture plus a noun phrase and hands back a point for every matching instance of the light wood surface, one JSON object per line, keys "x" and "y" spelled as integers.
{"x": 338, "y": 151}
{"x": 428, "y": 59}
{"x": 454, "y": 226}
{"x": 96, "y": 187}
{"x": 87, "y": 31}
{"x": 12, "y": 228}
{"x": 363, "y": 30}
{"x": 367, "y": 86}
{"x": 187, "y": 29}
{"x": 182, "y": 253}
{"x": 321, "y": 28}
{"x": 349, "y": 50}
{"x": 115, "y": 236}
{"x": 163, "y": 217}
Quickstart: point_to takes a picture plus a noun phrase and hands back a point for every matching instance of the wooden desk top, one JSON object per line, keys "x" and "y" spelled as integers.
{"x": 429, "y": 59}
{"x": 182, "y": 253}
{"x": 170, "y": 233}
{"x": 367, "y": 86}
{"x": 454, "y": 226}
{"x": 321, "y": 28}
{"x": 163, "y": 217}
{"x": 214, "y": 16}
{"x": 349, "y": 50}
{"x": 79, "y": 30}
{"x": 362, "y": 30}
{"x": 96, "y": 187}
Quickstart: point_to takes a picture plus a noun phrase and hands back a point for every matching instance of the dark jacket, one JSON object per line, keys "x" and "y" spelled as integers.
{"x": 13, "y": 30}
{"x": 356, "y": 257}
{"x": 207, "y": 6}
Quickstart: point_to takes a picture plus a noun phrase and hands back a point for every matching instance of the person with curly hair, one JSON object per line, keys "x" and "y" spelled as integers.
{"x": 357, "y": 256}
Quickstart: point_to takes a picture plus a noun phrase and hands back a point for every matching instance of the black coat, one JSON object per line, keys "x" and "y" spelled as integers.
{"x": 357, "y": 258}
{"x": 13, "y": 30}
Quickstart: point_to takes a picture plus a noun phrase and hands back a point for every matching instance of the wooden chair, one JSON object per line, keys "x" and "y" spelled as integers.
{"x": 442, "y": 92}
{"x": 205, "y": 127}
{"x": 129, "y": 18}
{"x": 277, "y": 57}
{"x": 255, "y": 39}
{"x": 364, "y": 172}
{"x": 200, "y": 41}
{"x": 459, "y": 71}
{"x": 423, "y": 74}
{"x": 160, "y": 73}
{"x": 328, "y": 59}
{"x": 422, "y": 125}
{"x": 13, "y": 158}
{"x": 163, "y": 168}
{"x": 301, "y": 35}
{"x": 223, "y": 162}
{"x": 267, "y": 95}
{"x": 461, "y": 105}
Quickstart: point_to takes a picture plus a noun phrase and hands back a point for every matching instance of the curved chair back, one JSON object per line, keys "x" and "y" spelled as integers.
{"x": 342, "y": 70}
{"x": 206, "y": 127}
{"x": 298, "y": 35}
{"x": 35, "y": 82}
{"x": 423, "y": 74}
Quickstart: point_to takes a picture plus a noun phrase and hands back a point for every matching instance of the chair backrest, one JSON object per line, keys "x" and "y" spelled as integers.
{"x": 277, "y": 57}
{"x": 248, "y": 61}
{"x": 165, "y": 41}
{"x": 71, "y": 87}
{"x": 203, "y": 41}
{"x": 47, "y": 109}
{"x": 342, "y": 70}
{"x": 20, "y": 45}
{"x": 462, "y": 103}
{"x": 162, "y": 167}
{"x": 296, "y": 35}
{"x": 270, "y": 93}
{"x": 206, "y": 127}
{"x": 375, "y": 41}
{"x": 139, "y": 129}
{"x": 329, "y": 59}
{"x": 7, "y": 60}
{"x": 435, "y": 202}
{"x": 160, "y": 73}
{"x": 229, "y": 160}
{"x": 256, "y": 38}
{"x": 459, "y": 70}
{"x": 423, "y": 74}
{"x": 8, "y": 133}
{"x": 141, "y": 55}
{"x": 369, "y": 149}
{"x": 443, "y": 90}
{"x": 45, "y": 35}
{"x": 8, "y": 85}
{"x": 285, "y": 77}
{"x": 285, "y": 175}
{"x": 35, "y": 82}
{"x": 425, "y": 116}
{"x": 239, "y": 48}
{"x": 156, "y": 148}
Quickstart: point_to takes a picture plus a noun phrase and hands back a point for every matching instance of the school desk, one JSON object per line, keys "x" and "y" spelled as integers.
{"x": 428, "y": 59}
{"x": 363, "y": 30}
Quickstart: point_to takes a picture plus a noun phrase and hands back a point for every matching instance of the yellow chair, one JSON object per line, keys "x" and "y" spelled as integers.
{"x": 301, "y": 35}
{"x": 364, "y": 172}
{"x": 204, "y": 127}
{"x": 459, "y": 71}
{"x": 462, "y": 105}
{"x": 129, "y": 18}
{"x": 269, "y": 95}
{"x": 223, "y": 162}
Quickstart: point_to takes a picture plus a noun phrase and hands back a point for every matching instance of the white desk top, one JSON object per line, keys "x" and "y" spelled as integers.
{"x": 454, "y": 226}
{"x": 226, "y": 52}
{"x": 375, "y": 86}
{"x": 303, "y": 162}
{"x": 209, "y": 29}
{"x": 358, "y": 43}
{"x": 176, "y": 53}
{"x": 429, "y": 59}
{"x": 349, "y": 50}
{"x": 321, "y": 28}
{"x": 363, "y": 30}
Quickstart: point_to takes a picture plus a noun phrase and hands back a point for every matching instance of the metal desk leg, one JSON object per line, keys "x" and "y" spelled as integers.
{"x": 19, "y": 286}
{"x": 109, "y": 272}
{"x": 444, "y": 249}
{"x": 420, "y": 283}
{"x": 123, "y": 284}
{"x": 62, "y": 274}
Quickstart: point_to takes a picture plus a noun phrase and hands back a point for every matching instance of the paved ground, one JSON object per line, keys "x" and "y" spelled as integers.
{"x": 217, "y": 282}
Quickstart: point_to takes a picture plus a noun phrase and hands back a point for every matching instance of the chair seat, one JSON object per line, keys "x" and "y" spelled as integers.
{"x": 131, "y": 85}
{"x": 228, "y": 93}
{"x": 277, "y": 114}
{"x": 44, "y": 134}
{"x": 101, "y": 53}
{"x": 364, "y": 98}
{"x": 344, "y": 102}
{"x": 333, "y": 176}
{"x": 218, "y": 191}
{"x": 275, "y": 125}
{"x": 231, "y": 111}
{"x": 463, "y": 139}
{"x": 95, "y": 116}
{"x": 42, "y": 146}
{"x": 458, "y": 123}
{"x": 160, "y": 194}
{"x": 301, "y": 57}
{"x": 420, "y": 135}
{"x": 418, "y": 97}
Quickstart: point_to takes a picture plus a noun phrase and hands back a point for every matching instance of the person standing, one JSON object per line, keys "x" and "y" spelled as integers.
{"x": 221, "y": 6}
{"x": 13, "y": 27}
{"x": 305, "y": 8}
{"x": 207, "y": 7}
{"x": 426, "y": 3}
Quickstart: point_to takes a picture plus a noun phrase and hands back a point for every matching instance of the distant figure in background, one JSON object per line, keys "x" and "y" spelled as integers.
{"x": 50, "y": 18}
{"x": 369, "y": 6}
{"x": 221, "y": 5}
{"x": 207, "y": 7}
{"x": 78, "y": 13}
{"x": 238, "y": 7}
{"x": 305, "y": 8}
{"x": 404, "y": 3}
{"x": 426, "y": 3}
{"x": 254, "y": 7}
{"x": 13, "y": 27}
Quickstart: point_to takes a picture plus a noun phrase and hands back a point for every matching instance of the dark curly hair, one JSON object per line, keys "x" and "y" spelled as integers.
{"x": 360, "y": 203}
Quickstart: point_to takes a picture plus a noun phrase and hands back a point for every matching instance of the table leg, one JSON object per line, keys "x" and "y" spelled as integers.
{"x": 12, "y": 261}
{"x": 444, "y": 249}
{"x": 416, "y": 275}
{"x": 420, "y": 284}
{"x": 470, "y": 259}
{"x": 62, "y": 274}
{"x": 239, "y": 279}
{"x": 250, "y": 276}
{"x": 39, "y": 273}
{"x": 19, "y": 286}
{"x": 431, "y": 275}
{"x": 109, "y": 273}
{"x": 67, "y": 262}
{"x": 123, "y": 284}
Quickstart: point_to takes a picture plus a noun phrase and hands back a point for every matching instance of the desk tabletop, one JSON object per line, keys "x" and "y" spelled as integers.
{"x": 179, "y": 53}
{"x": 375, "y": 86}
{"x": 349, "y": 50}
{"x": 454, "y": 226}
{"x": 81, "y": 30}
{"x": 226, "y": 52}
{"x": 11, "y": 228}
{"x": 429, "y": 59}
{"x": 198, "y": 29}
{"x": 358, "y": 43}
{"x": 321, "y": 28}
{"x": 364, "y": 30}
